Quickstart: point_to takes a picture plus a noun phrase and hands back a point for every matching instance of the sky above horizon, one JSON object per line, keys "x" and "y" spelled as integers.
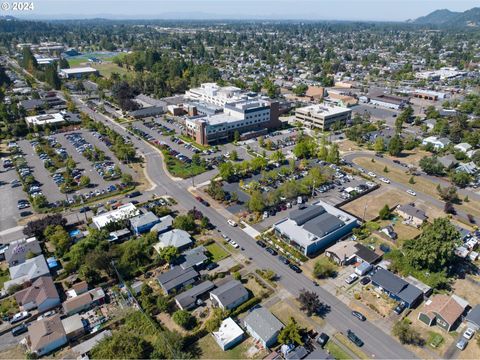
{"x": 379, "y": 10}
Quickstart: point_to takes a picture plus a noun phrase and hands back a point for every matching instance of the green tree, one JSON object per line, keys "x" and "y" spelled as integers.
{"x": 169, "y": 254}
{"x": 407, "y": 334}
{"x": 127, "y": 178}
{"x": 434, "y": 249}
{"x": 184, "y": 319}
{"x": 236, "y": 136}
{"x": 234, "y": 155}
{"x": 324, "y": 269}
{"x": 460, "y": 178}
{"x": 300, "y": 89}
{"x": 395, "y": 147}
{"x": 431, "y": 166}
{"x": 58, "y": 237}
{"x": 384, "y": 212}
{"x": 184, "y": 222}
{"x": 379, "y": 145}
{"x": 256, "y": 203}
{"x": 226, "y": 170}
{"x": 122, "y": 345}
{"x": 84, "y": 181}
{"x": 291, "y": 334}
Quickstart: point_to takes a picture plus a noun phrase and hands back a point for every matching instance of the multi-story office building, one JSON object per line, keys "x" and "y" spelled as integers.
{"x": 213, "y": 94}
{"x": 250, "y": 118}
{"x": 322, "y": 116}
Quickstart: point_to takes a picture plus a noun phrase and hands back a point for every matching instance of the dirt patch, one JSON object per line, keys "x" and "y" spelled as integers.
{"x": 167, "y": 322}
{"x": 378, "y": 304}
{"x": 370, "y": 204}
{"x": 16, "y": 352}
{"x": 468, "y": 289}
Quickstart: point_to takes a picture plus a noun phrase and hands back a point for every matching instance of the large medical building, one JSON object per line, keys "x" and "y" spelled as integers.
{"x": 322, "y": 116}
{"x": 226, "y": 110}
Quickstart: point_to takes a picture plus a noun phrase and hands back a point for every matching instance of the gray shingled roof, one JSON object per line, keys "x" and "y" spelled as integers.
{"x": 474, "y": 315}
{"x": 230, "y": 292}
{"x": 263, "y": 322}
{"x": 187, "y": 298}
{"x": 143, "y": 219}
{"x": 176, "y": 277}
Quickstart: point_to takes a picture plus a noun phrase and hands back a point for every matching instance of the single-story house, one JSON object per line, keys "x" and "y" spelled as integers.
{"x": 297, "y": 353}
{"x": 84, "y": 301}
{"x": 136, "y": 287}
{"x": 177, "y": 278}
{"x": 444, "y": 311}
{"x": 473, "y": 318}
{"x": 17, "y": 251}
{"x": 74, "y": 326}
{"x": 427, "y": 290}
{"x": 469, "y": 168}
{"x": 448, "y": 161}
{"x": 397, "y": 288}
{"x": 438, "y": 143}
{"x": 263, "y": 326}
{"x": 188, "y": 299}
{"x": 411, "y": 214}
{"x": 119, "y": 235}
{"x": 193, "y": 258}
{"x": 176, "y": 237}
{"x": 350, "y": 251}
{"x": 30, "y": 270}
{"x": 144, "y": 222}
{"x": 463, "y": 147}
{"x": 41, "y": 295}
{"x": 123, "y": 212}
{"x": 163, "y": 225}
{"x": 46, "y": 335}
{"x": 319, "y": 354}
{"x": 228, "y": 334}
{"x": 229, "y": 295}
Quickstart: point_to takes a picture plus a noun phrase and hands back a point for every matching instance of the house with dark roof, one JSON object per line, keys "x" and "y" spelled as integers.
{"x": 263, "y": 326}
{"x": 41, "y": 295}
{"x": 444, "y": 311}
{"x": 164, "y": 225}
{"x": 177, "y": 278}
{"x": 17, "y": 251}
{"x": 349, "y": 251}
{"x": 229, "y": 295}
{"x": 193, "y": 258}
{"x": 411, "y": 215}
{"x": 188, "y": 299}
{"x": 147, "y": 112}
{"x": 473, "y": 318}
{"x": 397, "y": 288}
{"x": 144, "y": 222}
{"x": 315, "y": 227}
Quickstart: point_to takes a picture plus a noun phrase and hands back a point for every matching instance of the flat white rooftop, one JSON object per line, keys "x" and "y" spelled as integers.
{"x": 78, "y": 70}
{"x": 323, "y": 110}
{"x": 228, "y": 331}
{"x": 125, "y": 211}
{"x": 45, "y": 119}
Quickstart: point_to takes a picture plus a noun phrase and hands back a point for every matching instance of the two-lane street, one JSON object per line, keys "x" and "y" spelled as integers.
{"x": 377, "y": 343}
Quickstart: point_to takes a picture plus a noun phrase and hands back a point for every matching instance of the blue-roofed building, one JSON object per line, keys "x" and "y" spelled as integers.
{"x": 144, "y": 222}
{"x": 397, "y": 288}
{"x": 52, "y": 263}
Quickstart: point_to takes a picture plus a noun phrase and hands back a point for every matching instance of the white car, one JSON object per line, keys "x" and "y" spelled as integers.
{"x": 234, "y": 244}
{"x": 19, "y": 317}
{"x": 372, "y": 174}
{"x": 231, "y": 222}
{"x": 351, "y": 278}
{"x": 385, "y": 180}
{"x": 411, "y": 192}
{"x": 468, "y": 334}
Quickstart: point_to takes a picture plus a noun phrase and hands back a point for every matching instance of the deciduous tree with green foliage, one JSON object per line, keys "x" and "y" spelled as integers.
{"x": 291, "y": 334}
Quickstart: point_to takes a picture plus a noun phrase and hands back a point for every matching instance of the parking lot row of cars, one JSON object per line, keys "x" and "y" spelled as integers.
{"x": 282, "y": 258}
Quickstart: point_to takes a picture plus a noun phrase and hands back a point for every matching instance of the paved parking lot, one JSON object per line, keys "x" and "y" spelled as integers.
{"x": 9, "y": 214}
{"x": 42, "y": 175}
{"x": 376, "y": 112}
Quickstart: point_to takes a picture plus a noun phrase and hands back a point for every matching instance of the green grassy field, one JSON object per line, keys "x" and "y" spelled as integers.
{"x": 217, "y": 252}
{"x": 180, "y": 169}
{"x": 336, "y": 351}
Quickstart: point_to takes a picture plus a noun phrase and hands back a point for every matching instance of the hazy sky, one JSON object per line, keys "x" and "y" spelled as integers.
{"x": 394, "y": 10}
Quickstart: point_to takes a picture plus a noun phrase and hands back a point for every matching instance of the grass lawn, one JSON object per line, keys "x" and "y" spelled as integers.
{"x": 217, "y": 252}
{"x": 336, "y": 351}
{"x": 8, "y": 306}
{"x": 107, "y": 68}
{"x": 434, "y": 339}
{"x": 351, "y": 346}
{"x": 245, "y": 350}
{"x": 4, "y": 276}
{"x": 180, "y": 169}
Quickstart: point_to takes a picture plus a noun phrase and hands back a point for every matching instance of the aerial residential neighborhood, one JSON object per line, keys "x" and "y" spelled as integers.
{"x": 216, "y": 180}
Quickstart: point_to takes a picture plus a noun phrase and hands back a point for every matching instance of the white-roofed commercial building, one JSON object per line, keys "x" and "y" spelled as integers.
{"x": 322, "y": 116}
{"x": 78, "y": 73}
{"x": 45, "y": 119}
{"x": 123, "y": 212}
